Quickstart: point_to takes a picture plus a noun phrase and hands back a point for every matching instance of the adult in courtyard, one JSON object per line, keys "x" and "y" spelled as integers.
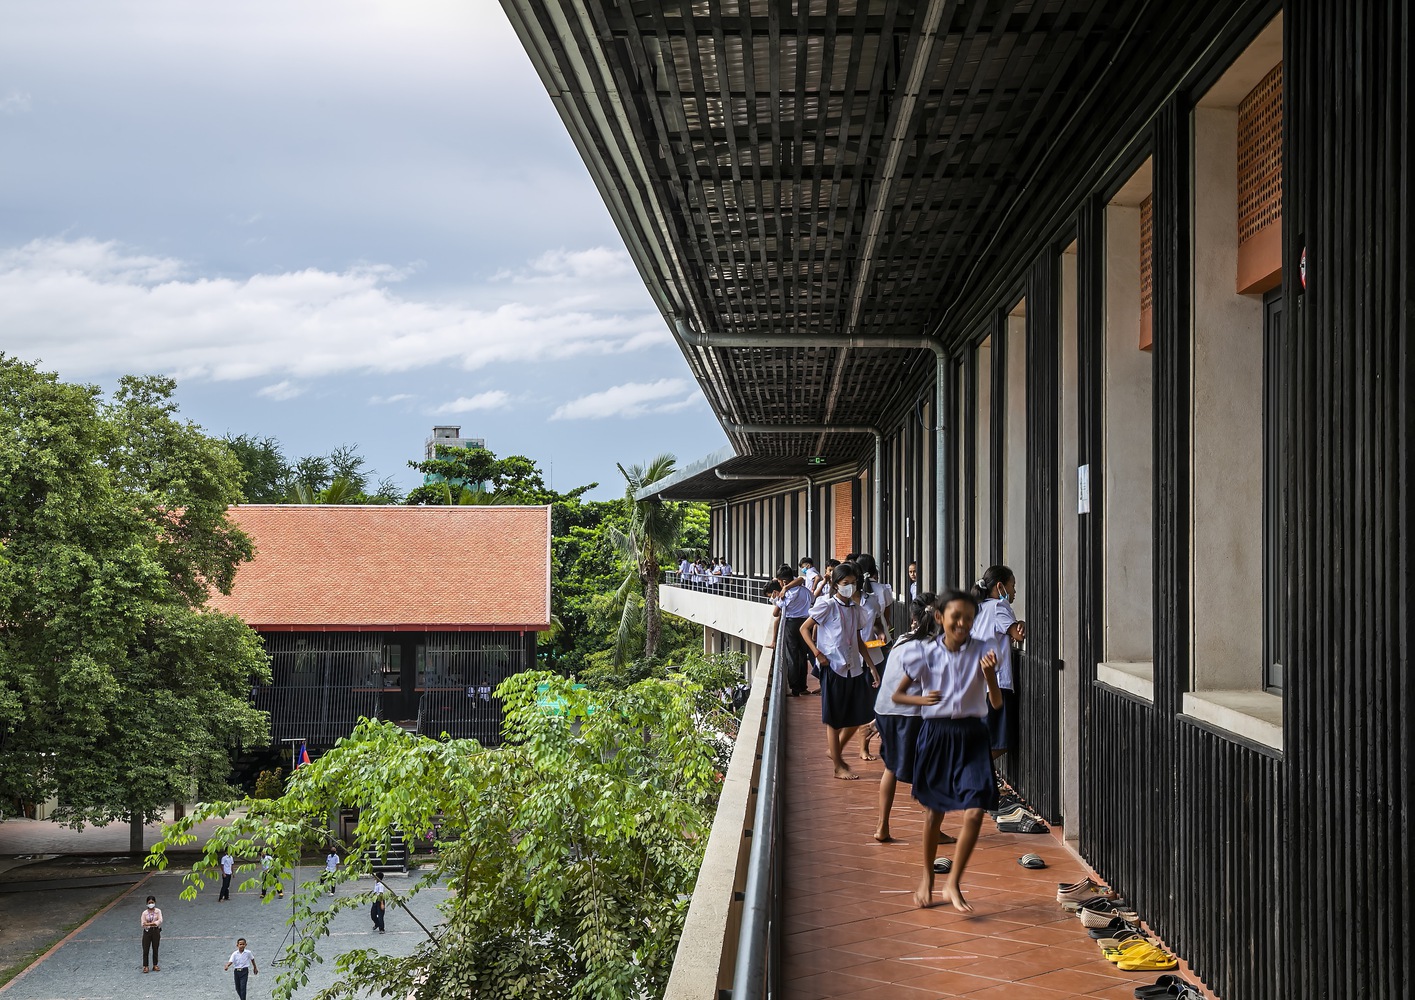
{"x": 151, "y": 933}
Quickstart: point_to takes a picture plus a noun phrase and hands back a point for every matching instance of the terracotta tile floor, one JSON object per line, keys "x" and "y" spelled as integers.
{"x": 851, "y": 926}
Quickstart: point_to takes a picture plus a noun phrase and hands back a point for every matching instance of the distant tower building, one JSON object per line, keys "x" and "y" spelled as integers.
{"x": 445, "y": 440}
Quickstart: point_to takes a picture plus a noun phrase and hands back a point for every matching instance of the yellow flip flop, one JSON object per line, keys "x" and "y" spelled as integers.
{"x": 1152, "y": 960}
{"x": 1135, "y": 946}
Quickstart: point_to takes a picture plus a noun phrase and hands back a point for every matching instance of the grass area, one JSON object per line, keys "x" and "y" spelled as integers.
{"x": 22, "y": 963}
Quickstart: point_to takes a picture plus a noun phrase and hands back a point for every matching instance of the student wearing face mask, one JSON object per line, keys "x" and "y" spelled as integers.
{"x": 997, "y": 626}
{"x": 848, "y": 680}
{"x": 151, "y": 933}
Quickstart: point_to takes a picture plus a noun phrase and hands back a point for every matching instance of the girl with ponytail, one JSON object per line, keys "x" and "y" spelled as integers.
{"x": 998, "y": 628}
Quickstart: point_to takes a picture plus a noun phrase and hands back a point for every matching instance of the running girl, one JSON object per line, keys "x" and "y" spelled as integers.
{"x": 952, "y": 769}
{"x": 998, "y": 627}
{"x": 898, "y": 725}
{"x": 832, "y": 632}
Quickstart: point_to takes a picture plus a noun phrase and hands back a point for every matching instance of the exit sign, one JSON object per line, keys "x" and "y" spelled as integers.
{"x": 815, "y": 460}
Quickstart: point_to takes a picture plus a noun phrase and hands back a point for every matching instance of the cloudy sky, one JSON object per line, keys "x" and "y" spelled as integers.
{"x": 334, "y": 222}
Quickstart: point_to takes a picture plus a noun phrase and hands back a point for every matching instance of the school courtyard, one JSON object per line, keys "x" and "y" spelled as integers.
{"x": 102, "y": 960}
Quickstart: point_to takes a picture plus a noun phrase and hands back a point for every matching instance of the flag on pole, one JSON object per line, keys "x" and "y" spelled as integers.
{"x": 304, "y": 757}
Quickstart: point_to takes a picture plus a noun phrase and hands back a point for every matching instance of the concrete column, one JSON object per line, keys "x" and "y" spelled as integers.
{"x": 1069, "y": 618}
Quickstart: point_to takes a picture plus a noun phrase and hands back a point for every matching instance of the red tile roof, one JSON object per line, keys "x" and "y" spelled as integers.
{"x": 324, "y": 567}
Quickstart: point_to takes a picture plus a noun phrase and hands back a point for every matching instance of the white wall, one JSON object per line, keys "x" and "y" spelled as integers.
{"x": 1227, "y": 439}
{"x": 1128, "y": 457}
{"x": 1014, "y": 510}
{"x": 982, "y": 480}
{"x": 746, "y": 620}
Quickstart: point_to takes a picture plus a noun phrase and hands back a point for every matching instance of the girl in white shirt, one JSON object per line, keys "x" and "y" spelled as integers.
{"x": 998, "y": 627}
{"x": 832, "y": 633}
{"x": 898, "y": 725}
{"x": 877, "y": 599}
{"x": 952, "y": 767}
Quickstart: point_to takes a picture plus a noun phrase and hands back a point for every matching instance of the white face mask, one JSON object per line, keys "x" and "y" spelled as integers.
{"x": 152, "y": 906}
{"x": 846, "y": 590}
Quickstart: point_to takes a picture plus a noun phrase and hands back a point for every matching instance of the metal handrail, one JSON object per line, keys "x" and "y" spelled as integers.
{"x": 742, "y": 588}
{"x": 759, "y": 938}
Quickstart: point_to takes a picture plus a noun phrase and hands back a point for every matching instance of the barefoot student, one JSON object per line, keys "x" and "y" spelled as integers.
{"x": 957, "y": 681}
{"x": 245, "y": 965}
{"x": 832, "y": 632}
{"x": 898, "y": 725}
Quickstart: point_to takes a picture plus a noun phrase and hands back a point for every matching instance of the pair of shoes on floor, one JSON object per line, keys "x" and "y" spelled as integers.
{"x": 1169, "y": 986}
{"x": 1140, "y": 955}
{"x": 1080, "y": 892}
{"x": 1098, "y": 914}
{"x": 1020, "y": 820}
{"x": 1006, "y": 802}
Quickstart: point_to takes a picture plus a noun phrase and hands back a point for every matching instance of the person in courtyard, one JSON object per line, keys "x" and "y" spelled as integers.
{"x": 270, "y": 876}
{"x": 376, "y": 909}
{"x": 997, "y": 625}
{"x": 956, "y": 682}
{"x": 228, "y": 867}
{"x": 847, "y": 679}
{"x": 794, "y": 602}
{"x": 151, "y": 933}
{"x": 331, "y": 869}
{"x": 244, "y": 963}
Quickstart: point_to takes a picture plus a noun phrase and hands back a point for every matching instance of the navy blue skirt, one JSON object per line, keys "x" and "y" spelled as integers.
{"x": 1002, "y": 722}
{"x": 898, "y": 742}
{"x": 953, "y": 766}
{"x": 846, "y": 701}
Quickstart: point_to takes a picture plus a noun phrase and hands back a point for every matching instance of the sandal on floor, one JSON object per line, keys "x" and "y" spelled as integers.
{"x": 1165, "y": 987}
{"x": 1155, "y": 961}
{"x": 943, "y": 866}
{"x": 1028, "y": 824}
{"x": 1031, "y": 861}
{"x": 1111, "y": 929}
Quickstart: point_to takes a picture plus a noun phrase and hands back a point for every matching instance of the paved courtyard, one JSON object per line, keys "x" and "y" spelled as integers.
{"x": 103, "y": 961}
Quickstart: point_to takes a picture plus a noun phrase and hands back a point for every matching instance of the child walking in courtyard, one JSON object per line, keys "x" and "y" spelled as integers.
{"x": 957, "y": 681}
{"x": 245, "y": 965}
{"x": 847, "y": 689}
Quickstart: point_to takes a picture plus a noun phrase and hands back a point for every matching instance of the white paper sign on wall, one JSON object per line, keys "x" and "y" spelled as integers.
{"x": 1083, "y": 489}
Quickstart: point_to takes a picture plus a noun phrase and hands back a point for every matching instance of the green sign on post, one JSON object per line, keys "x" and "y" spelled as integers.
{"x": 815, "y": 460}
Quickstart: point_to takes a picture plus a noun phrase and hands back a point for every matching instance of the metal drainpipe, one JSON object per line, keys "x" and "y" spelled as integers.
{"x": 876, "y": 503}
{"x": 849, "y": 342}
{"x": 810, "y": 488}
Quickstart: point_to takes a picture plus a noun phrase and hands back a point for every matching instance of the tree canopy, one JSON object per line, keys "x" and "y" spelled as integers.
{"x": 119, "y": 691}
{"x": 570, "y": 852}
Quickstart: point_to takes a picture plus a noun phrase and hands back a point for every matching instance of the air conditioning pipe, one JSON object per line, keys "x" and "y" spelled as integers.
{"x": 942, "y": 572}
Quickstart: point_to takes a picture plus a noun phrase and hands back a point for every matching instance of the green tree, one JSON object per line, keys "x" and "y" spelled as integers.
{"x": 653, "y": 533}
{"x": 119, "y": 691}
{"x": 570, "y": 852}
{"x": 267, "y": 471}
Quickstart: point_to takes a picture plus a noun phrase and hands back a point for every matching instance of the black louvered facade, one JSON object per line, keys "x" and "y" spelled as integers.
{"x": 1278, "y": 869}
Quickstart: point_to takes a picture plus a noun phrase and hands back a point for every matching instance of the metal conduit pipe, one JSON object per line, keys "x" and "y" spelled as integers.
{"x": 810, "y": 489}
{"x": 876, "y": 506}
{"x": 942, "y": 413}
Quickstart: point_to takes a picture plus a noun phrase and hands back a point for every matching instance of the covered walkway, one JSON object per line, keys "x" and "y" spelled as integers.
{"x": 851, "y": 928}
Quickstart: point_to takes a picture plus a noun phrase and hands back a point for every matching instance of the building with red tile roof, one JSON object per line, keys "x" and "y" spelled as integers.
{"x": 413, "y": 614}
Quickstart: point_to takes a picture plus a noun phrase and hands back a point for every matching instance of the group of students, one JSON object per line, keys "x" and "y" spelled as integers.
{"x": 943, "y": 697}
{"x": 701, "y": 573}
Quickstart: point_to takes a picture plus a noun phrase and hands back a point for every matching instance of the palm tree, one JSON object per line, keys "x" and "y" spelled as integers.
{"x": 655, "y": 528}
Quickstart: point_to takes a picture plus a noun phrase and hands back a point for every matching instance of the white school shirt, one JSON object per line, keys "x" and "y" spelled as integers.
{"x": 331, "y": 863}
{"x": 242, "y": 959}
{"x": 913, "y": 590}
{"x": 811, "y": 576}
{"x": 995, "y": 617}
{"x": 726, "y": 569}
{"x": 904, "y": 651}
{"x": 796, "y": 602}
{"x": 838, "y": 634}
{"x": 956, "y": 676}
{"x": 227, "y": 864}
{"x": 684, "y": 567}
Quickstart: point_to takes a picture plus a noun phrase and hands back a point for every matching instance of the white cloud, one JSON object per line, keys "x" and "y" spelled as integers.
{"x": 632, "y": 399}
{"x": 281, "y": 391}
{"x": 494, "y": 399}
{"x": 397, "y": 397}
{"x": 87, "y": 307}
{"x": 15, "y": 102}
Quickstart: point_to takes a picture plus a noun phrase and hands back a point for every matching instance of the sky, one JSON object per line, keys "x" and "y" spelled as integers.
{"x": 333, "y": 222}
